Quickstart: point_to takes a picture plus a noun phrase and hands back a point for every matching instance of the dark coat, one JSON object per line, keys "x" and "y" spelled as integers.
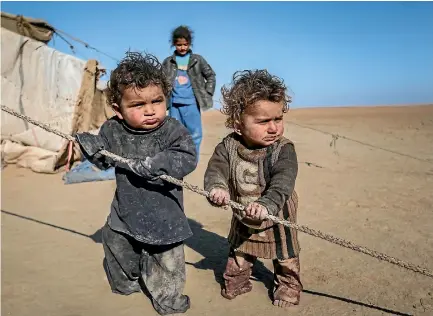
{"x": 202, "y": 78}
{"x": 144, "y": 206}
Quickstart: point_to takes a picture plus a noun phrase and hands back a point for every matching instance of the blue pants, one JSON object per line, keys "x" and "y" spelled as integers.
{"x": 190, "y": 117}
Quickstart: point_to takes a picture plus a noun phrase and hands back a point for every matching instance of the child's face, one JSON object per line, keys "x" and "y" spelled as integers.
{"x": 261, "y": 124}
{"x": 142, "y": 108}
{"x": 182, "y": 46}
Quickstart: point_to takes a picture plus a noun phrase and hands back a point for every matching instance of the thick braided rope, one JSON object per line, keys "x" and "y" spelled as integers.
{"x": 238, "y": 206}
{"x": 36, "y": 123}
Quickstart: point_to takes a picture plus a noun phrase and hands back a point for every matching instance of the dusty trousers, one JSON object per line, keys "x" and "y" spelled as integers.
{"x": 160, "y": 268}
{"x": 287, "y": 282}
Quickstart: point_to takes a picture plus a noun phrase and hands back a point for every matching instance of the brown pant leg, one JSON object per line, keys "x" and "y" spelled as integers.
{"x": 237, "y": 275}
{"x": 287, "y": 281}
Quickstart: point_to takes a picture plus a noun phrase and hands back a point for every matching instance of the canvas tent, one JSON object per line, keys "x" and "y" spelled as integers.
{"x": 49, "y": 86}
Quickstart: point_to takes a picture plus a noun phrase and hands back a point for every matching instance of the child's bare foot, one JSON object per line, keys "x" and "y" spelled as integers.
{"x": 285, "y": 297}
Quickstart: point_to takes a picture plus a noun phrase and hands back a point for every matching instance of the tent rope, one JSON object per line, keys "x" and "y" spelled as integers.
{"x": 238, "y": 206}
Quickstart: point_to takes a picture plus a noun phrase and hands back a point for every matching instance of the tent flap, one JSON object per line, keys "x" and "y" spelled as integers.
{"x": 36, "y": 29}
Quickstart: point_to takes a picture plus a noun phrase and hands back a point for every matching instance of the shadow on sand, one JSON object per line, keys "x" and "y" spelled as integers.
{"x": 214, "y": 248}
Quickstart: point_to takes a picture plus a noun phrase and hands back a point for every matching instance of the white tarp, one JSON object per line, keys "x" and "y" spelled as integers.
{"x": 42, "y": 83}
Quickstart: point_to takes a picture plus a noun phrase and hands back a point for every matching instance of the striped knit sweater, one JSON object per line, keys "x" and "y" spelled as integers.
{"x": 266, "y": 176}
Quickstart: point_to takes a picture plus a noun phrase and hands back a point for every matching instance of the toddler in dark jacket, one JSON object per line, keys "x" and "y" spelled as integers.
{"x": 144, "y": 233}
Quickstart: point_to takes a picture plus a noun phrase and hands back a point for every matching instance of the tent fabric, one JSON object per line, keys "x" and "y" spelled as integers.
{"x": 49, "y": 86}
{"x": 91, "y": 110}
{"x": 36, "y": 29}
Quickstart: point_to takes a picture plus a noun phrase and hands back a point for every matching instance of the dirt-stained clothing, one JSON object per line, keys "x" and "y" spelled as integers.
{"x": 148, "y": 209}
{"x": 287, "y": 282}
{"x": 146, "y": 212}
{"x": 162, "y": 269}
{"x": 266, "y": 176}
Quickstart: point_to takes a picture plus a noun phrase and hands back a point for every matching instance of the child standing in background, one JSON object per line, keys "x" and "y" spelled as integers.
{"x": 257, "y": 167}
{"x": 193, "y": 84}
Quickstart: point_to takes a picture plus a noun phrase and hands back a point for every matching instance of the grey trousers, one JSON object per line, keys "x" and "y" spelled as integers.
{"x": 161, "y": 268}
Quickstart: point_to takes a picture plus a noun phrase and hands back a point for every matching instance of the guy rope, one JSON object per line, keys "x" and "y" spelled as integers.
{"x": 240, "y": 207}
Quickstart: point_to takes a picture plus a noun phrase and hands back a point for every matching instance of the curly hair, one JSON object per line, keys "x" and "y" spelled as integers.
{"x": 138, "y": 70}
{"x": 182, "y": 31}
{"x": 248, "y": 87}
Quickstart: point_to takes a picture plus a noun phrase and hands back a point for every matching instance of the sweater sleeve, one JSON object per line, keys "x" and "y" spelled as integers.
{"x": 91, "y": 144}
{"x": 282, "y": 183}
{"x": 217, "y": 171}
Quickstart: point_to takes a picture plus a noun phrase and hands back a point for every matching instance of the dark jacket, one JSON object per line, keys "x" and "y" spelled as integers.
{"x": 148, "y": 209}
{"x": 201, "y": 75}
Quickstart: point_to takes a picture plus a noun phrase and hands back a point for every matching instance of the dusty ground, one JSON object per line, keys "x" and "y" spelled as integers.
{"x": 51, "y": 251}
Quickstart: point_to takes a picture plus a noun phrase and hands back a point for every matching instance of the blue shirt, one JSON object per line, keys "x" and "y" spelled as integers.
{"x": 182, "y": 88}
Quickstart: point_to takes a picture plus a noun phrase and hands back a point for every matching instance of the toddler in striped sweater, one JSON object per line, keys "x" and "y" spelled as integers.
{"x": 257, "y": 166}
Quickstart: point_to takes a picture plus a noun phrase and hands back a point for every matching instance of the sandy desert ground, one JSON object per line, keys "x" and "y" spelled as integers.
{"x": 52, "y": 256}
